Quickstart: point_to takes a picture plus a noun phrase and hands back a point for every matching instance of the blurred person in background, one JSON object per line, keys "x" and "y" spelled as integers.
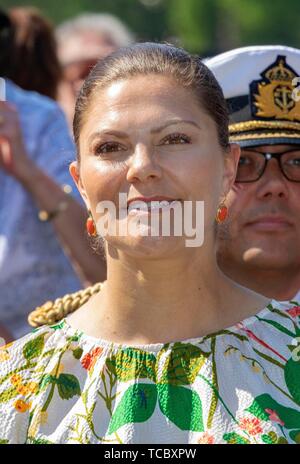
{"x": 34, "y": 64}
{"x": 82, "y": 41}
{"x": 259, "y": 244}
{"x": 41, "y": 225}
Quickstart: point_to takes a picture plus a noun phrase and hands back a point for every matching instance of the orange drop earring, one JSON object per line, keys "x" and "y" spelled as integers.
{"x": 222, "y": 213}
{"x": 90, "y": 226}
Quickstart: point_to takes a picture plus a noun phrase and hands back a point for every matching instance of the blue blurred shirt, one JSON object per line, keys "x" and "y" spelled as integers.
{"x": 33, "y": 266}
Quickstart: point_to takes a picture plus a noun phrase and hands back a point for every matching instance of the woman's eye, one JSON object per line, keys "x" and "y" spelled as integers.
{"x": 108, "y": 147}
{"x": 176, "y": 139}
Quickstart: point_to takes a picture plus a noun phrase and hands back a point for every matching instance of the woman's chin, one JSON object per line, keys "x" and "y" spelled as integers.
{"x": 148, "y": 246}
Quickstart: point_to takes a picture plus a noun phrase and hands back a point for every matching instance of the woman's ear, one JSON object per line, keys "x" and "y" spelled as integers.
{"x": 74, "y": 171}
{"x": 231, "y": 162}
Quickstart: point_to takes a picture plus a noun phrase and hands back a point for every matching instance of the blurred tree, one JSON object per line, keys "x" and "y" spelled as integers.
{"x": 269, "y": 21}
{"x": 210, "y": 26}
{"x": 193, "y": 21}
{"x": 146, "y": 18}
{"x": 202, "y": 26}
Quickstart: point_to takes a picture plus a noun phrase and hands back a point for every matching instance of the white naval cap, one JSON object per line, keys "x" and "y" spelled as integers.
{"x": 260, "y": 86}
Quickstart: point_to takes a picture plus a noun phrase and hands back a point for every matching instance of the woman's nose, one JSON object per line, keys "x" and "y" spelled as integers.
{"x": 142, "y": 165}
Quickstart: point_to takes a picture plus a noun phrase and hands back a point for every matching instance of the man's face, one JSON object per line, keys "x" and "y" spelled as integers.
{"x": 263, "y": 227}
{"x": 75, "y": 74}
{"x": 79, "y": 53}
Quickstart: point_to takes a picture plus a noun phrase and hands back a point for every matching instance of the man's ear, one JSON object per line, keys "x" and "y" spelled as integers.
{"x": 231, "y": 162}
{"x": 74, "y": 171}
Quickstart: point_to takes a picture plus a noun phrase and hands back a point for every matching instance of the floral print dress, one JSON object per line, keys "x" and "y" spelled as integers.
{"x": 240, "y": 385}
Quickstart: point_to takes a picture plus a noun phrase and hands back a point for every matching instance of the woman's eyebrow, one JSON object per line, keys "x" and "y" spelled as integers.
{"x": 95, "y": 135}
{"x": 173, "y": 122}
{"x": 123, "y": 135}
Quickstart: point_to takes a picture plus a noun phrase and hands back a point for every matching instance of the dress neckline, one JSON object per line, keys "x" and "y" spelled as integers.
{"x": 155, "y": 347}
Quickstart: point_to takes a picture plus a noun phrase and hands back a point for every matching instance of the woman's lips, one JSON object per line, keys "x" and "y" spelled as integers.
{"x": 149, "y": 207}
{"x": 149, "y": 199}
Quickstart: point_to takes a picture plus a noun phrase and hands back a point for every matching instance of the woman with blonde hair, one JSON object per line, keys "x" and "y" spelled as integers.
{"x": 170, "y": 350}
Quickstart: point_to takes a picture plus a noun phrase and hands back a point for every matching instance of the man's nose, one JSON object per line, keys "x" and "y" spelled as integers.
{"x": 142, "y": 165}
{"x": 273, "y": 182}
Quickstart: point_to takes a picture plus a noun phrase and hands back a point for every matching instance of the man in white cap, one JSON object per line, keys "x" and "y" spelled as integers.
{"x": 259, "y": 245}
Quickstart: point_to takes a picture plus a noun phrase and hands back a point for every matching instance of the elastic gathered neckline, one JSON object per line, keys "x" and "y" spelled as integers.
{"x": 155, "y": 347}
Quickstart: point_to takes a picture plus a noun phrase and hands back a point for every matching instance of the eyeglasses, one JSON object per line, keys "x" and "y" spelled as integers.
{"x": 252, "y": 164}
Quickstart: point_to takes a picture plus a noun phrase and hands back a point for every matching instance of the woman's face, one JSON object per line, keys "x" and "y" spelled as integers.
{"x": 148, "y": 137}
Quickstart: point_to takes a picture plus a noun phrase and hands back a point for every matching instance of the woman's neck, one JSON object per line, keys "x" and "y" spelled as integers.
{"x": 161, "y": 287}
{"x": 164, "y": 300}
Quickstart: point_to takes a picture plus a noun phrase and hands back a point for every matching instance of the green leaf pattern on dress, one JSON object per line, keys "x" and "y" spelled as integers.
{"x": 114, "y": 389}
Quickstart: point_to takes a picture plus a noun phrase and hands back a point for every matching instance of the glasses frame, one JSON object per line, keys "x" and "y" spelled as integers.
{"x": 267, "y": 155}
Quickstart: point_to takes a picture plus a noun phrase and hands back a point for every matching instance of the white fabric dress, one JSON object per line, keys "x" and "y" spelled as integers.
{"x": 240, "y": 385}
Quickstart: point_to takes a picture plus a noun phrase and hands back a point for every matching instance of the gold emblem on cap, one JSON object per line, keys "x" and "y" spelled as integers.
{"x": 272, "y": 95}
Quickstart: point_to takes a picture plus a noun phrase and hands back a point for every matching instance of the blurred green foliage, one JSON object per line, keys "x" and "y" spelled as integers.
{"x": 216, "y": 25}
{"x": 203, "y": 26}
